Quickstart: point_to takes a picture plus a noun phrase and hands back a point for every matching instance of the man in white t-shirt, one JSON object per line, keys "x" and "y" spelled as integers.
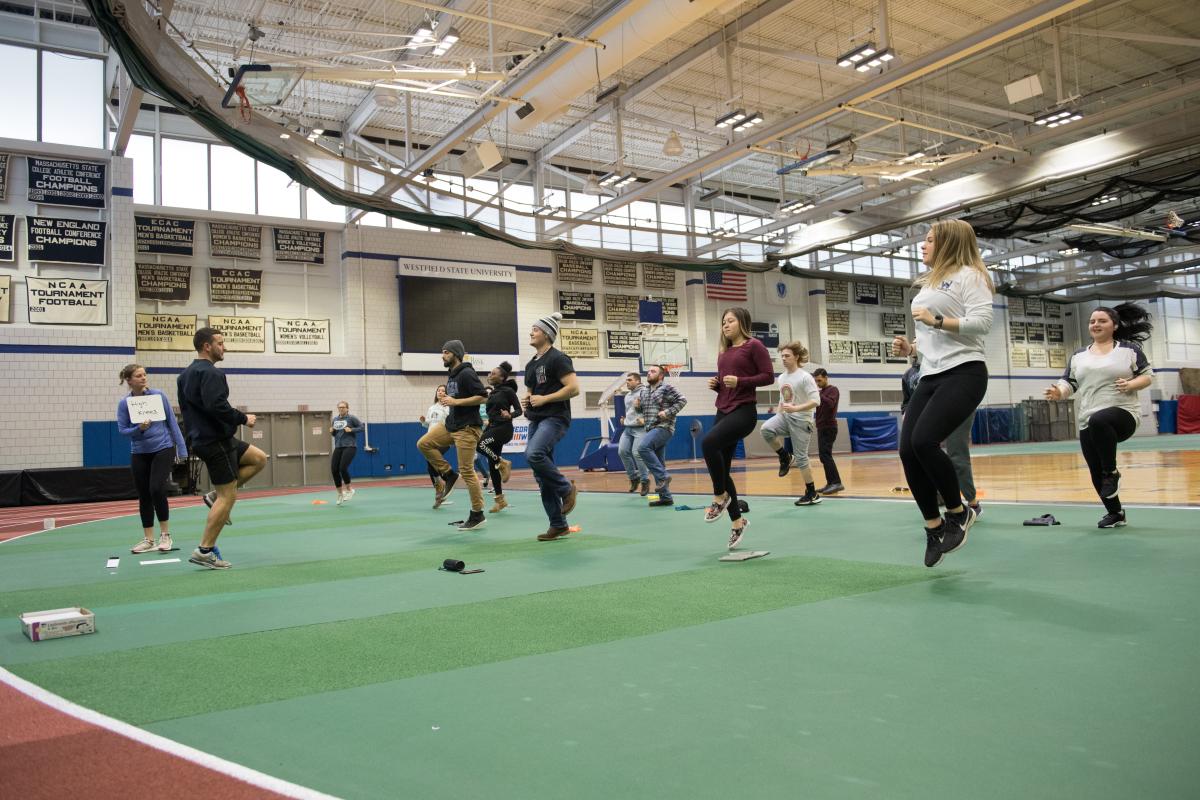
{"x": 798, "y": 397}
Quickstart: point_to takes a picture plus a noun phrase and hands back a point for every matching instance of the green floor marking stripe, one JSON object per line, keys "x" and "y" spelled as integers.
{"x": 103, "y": 594}
{"x": 295, "y": 662}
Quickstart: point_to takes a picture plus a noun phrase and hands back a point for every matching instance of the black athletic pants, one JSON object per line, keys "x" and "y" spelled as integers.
{"x": 150, "y": 474}
{"x": 939, "y": 405}
{"x": 495, "y": 436}
{"x": 825, "y": 439}
{"x": 719, "y": 445}
{"x": 339, "y": 464}
{"x": 1099, "y": 443}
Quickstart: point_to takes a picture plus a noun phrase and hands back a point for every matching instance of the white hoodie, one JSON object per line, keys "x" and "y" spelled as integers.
{"x": 964, "y": 296}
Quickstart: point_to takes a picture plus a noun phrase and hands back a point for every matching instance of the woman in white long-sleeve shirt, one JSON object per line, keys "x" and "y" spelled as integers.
{"x": 436, "y": 415}
{"x": 952, "y": 315}
{"x": 1105, "y": 378}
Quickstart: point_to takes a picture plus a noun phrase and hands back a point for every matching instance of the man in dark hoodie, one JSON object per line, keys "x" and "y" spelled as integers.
{"x": 463, "y": 428}
{"x": 502, "y": 407}
{"x": 211, "y": 423}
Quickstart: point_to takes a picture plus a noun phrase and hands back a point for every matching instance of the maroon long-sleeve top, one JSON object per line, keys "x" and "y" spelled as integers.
{"x": 751, "y": 363}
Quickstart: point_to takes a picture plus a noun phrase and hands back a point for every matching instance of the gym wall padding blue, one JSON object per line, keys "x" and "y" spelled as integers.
{"x": 874, "y": 433}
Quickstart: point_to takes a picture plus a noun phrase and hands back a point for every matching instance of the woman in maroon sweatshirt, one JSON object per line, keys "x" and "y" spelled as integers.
{"x": 742, "y": 366}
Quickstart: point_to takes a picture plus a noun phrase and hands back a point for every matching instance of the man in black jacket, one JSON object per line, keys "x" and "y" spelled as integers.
{"x": 463, "y": 427}
{"x": 211, "y": 424}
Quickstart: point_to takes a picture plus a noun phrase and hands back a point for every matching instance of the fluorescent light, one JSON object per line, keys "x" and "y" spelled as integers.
{"x": 732, "y": 118}
{"x": 625, "y": 180}
{"x": 710, "y": 194}
{"x": 863, "y": 51}
{"x": 446, "y": 42}
{"x": 424, "y": 35}
{"x": 1070, "y": 251}
{"x": 1052, "y": 119}
{"x": 800, "y": 204}
{"x": 610, "y": 179}
{"x": 876, "y": 60}
{"x": 285, "y": 135}
{"x": 748, "y": 122}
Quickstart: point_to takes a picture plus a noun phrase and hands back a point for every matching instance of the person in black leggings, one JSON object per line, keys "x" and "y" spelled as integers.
{"x": 436, "y": 415}
{"x": 503, "y": 406}
{"x": 344, "y": 430}
{"x": 743, "y": 365}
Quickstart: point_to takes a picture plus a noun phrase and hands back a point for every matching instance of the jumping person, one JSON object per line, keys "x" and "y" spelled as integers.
{"x": 953, "y": 314}
{"x": 1106, "y": 377}
{"x": 436, "y": 415}
{"x": 659, "y": 404}
{"x": 153, "y": 448}
{"x": 211, "y": 423}
{"x": 825, "y": 418}
{"x": 743, "y": 365}
{"x": 957, "y": 444}
{"x": 632, "y": 431}
{"x": 798, "y": 397}
{"x": 550, "y": 383}
{"x": 462, "y": 428}
{"x": 502, "y": 408}
{"x": 344, "y": 430}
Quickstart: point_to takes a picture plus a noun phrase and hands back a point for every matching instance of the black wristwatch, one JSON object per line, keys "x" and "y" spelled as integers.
{"x": 938, "y": 321}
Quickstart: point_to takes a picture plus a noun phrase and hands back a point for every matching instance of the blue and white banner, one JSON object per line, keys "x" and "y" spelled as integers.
{"x": 456, "y": 270}
{"x": 67, "y": 301}
{"x": 520, "y": 436}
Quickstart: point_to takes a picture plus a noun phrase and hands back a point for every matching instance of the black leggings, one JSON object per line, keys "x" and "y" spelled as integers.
{"x": 1099, "y": 442}
{"x": 719, "y": 445}
{"x": 339, "y": 463}
{"x": 495, "y": 436}
{"x": 939, "y": 405}
{"x": 150, "y": 474}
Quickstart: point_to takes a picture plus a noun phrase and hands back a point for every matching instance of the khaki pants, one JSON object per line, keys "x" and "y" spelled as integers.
{"x": 465, "y": 440}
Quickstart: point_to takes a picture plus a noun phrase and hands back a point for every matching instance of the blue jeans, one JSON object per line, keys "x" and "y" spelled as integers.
{"x": 635, "y": 468}
{"x": 653, "y": 450}
{"x": 544, "y": 434}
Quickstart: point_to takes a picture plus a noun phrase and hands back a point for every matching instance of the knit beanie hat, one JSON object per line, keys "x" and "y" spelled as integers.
{"x": 455, "y": 347}
{"x": 549, "y": 325}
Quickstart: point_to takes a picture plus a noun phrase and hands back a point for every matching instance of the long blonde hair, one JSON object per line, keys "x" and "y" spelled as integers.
{"x": 954, "y": 247}
{"x": 743, "y": 318}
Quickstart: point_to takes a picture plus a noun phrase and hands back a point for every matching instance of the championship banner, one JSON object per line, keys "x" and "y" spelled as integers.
{"x": 300, "y": 245}
{"x": 234, "y": 240}
{"x": 573, "y": 268}
{"x": 1038, "y": 357}
{"x": 670, "y": 307}
{"x": 520, "y": 437}
{"x": 169, "y": 237}
{"x": 837, "y": 292}
{"x": 165, "y": 331}
{"x": 893, "y": 324}
{"x": 228, "y": 286}
{"x": 242, "y": 334}
{"x": 5, "y": 298}
{"x": 618, "y": 273}
{"x": 456, "y": 270}
{"x": 865, "y": 294}
{"x": 577, "y": 305}
{"x": 656, "y": 277}
{"x": 4, "y": 157}
{"x": 579, "y": 342}
{"x": 170, "y": 282}
{"x": 869, "y": 352}
{"x": 301, "y": 335}
{"x": 841, "y": 351}
{"x": 1057, "y": 356}
{"x": 893, "y": 295}
{"x": 1019, "y": 355}
{"x": 621, "y": 308}
{"x": 59, "y": 182}
{"x": 624, "y": 344}
{"x": 8, "y": 237}
{"x": 67, "y": 301}
{"x": 837, "y": 321}
{"x": 67, "y": 241}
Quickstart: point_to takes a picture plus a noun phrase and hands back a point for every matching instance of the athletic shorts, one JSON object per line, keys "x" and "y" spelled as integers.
{"x": 222, "y": 459}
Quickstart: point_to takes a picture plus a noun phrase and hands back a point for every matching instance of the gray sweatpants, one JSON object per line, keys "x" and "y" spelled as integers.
{"x": 799, "y": 429}
{"x": 958, "y": 447}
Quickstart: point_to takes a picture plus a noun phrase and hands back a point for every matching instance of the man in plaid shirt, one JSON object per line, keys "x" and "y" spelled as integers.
{"x": 660, "y": 403}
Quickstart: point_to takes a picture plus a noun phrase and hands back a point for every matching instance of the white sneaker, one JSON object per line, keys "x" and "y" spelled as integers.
{"x": 164, "y": 543}
{"x": 349, "y": 495}
{"x": 143, "y": 546}
{"x": 341, "y": 498}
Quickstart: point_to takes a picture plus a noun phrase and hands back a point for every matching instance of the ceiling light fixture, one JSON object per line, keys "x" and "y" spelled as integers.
{"x": 610, "y": 179}
{"x": 1052, "y": 119}
{"x": 524, "y": 111}
{"x": 749, "y": 122}
{"x": 625, "y": 180}
{"x": 592, "y": 186}
{"x": 1113, "y": 230}
{"x": 797, "y": 206}
{"x": 732, "y": 118}
{"x": 710, "y": 194}
{"x": 877, "y": 60}
{"x": 424, "y": 35}
{"x": 856, "y": 55}
{"x": 447, "y": 41}
{"x": 672, "y": 146}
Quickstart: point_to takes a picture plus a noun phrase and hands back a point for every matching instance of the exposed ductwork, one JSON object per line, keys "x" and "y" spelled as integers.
{"x": 626, "y": 37}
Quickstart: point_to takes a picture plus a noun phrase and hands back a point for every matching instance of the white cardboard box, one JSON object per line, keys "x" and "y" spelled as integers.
{"x": 57, "y": 623}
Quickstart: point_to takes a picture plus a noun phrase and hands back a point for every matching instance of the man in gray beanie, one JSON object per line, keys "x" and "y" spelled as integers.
{"x": 463, "y": 428}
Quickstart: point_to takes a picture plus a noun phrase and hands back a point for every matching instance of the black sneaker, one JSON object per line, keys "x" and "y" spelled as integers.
{"x": 809, "y": 499}
{"x": 211, "y": 498}
{"x": 1116, "y": 520}
{"x": 447, "y": 487}
{"x": 634, "y": 483}
{"x": 785, "y": 463}
{"x": 661, "y": 501}
{"x": 832, "y": 488}
{"x": 474, "y": 521}
{"x": 978, "y": 509}
{"x": 933, "y": 545}
{"x": 1109, "y": 484}
{"x": 956, "y": 528}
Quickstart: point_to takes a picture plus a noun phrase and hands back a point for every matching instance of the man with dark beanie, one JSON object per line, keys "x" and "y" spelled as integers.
{"x": 550, "y": 383}
{"x": 462, "y": 428}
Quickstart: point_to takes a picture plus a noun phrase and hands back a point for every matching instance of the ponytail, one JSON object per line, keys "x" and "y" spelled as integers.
{"x": 505, "y": 369}
{"x": 127, "y": 372}
{"x": 1131, "y": 322}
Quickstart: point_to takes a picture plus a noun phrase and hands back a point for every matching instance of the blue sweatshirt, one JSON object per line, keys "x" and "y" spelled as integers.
{"x": 159, "y": 436}
{"x": 346, "y": 434}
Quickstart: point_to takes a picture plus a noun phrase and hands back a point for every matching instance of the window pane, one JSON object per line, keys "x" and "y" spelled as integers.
{"x": 482, "y": 190}
{"x": 444, "y": 204}
{"x": 368, "y": 182}
{"x": 519, "y": 198}
{"x": 141, "y": 150}
{"x": 232, "y": 180}
{"x": 278, "y": 195}
{"x": 322, "y": 209}
{"x": 644, "y": 215}
{"x": 184, "y": 174}
{"x": 19, "y": 67}
{"x": 72, "y": 99}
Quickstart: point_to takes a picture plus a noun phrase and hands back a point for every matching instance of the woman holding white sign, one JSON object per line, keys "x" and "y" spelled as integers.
{"x": 145, "y": 416}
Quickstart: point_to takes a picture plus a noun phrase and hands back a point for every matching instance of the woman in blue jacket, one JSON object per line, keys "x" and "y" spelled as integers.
{"x": 153, "y": 448}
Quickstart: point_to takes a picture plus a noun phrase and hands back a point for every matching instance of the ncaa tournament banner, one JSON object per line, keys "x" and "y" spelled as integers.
{"x": 5, "y": 298}
{"x": 8, "y": 237}
{"x": 165, "y": 331}
{"x": 67, "y": 301}
{"x": 60, "y": 182}
{"x": 301, "y": 335}
{"x": 4, "y": 157}
{"x": 299, "y": 244}
{"x": 457, "y": 270}
{"x": 66, "y": 241}
{"x": 520, "y": 438}
{"x": 242, "y": 334}
{"x": 170, "y": 237}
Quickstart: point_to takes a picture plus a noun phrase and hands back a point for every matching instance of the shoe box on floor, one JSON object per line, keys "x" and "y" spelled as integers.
{"x": 57, "y": 623}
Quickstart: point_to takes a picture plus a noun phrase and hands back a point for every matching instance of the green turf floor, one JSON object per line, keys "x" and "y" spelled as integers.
{"x": 625, "y": 661}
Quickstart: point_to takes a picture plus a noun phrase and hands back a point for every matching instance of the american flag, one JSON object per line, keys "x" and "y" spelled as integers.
{"x": 725, "y": 286}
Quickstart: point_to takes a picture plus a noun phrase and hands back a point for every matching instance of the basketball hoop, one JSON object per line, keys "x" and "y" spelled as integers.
{"x": 674, "y": 370}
